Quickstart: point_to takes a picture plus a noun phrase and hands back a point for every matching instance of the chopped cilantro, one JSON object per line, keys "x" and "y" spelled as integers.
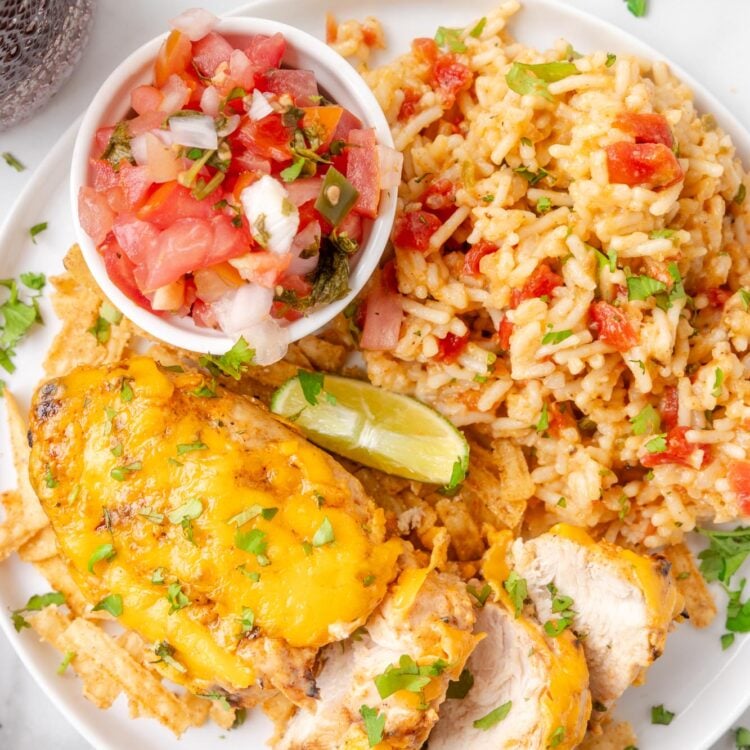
{"x": 407, "y": 676}
{"x": 176, "y": 597}
{"x": 660, "y": 715}
{"x": 292, "y": 172}
{"x": 718, "y": 383}
{"x": 311, "y": 384}
{"x": 543, "y": 205}
{"x": 324, "y": 534}
{"x": 36, "y": 603}
{"x": 459, "y": 689}
{"x": 517, "y": 589}
{"x": 657, "y": 444}
{"x": 476, "y": 32}
{"x": 252, "y": 512}
{"x": 157, "y": 577}
{"x": 111, "y": 604}
{"x": 557, "y": 737}
{"x": 611, "y": 59}
{"x": 662, "y": 234}
{"x": 637, "y": 7}
{"x": 254, "y": 542}
{"x": 642, "y": 287}
{"x": 108, "y": 316}
{"x": 493, "y": 717}
{"x": 458, "y": 473}
{"x": 65, "y": 663}
{"x": 374, "y": 724}
{"x": 11, "y": 161}
{"x": 451, "y": 38}
{"x": 727, "y": 640}
{"x": 37, "y": 229}
{"x": 646, "y": 422}
{"x": 126, "y": 391}
{"x": 165, "y": 652}
{"x": 183, "y": 448}
{"x": 742, "y": 738}
{"x": 741, "y": 194}
{"x": 556, "y": 337}
{"x": 533, "y": 178}
{"x": 121, "y": 473}
{"x": 524, "y": 78}
{"x": 102, "y": 552}
{"x": 543, "y": 424}
{"x": 482, "y": 595}
{"x": 232, "y": 363}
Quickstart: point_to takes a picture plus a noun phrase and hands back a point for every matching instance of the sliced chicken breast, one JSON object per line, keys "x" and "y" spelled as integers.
{"x": 622, "y": 603}
{"x": 541, "y": 688}
{"x": 426, "y": 620}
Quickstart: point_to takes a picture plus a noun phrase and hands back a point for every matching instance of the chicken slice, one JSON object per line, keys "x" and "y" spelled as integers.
{"x": 215, "y": 531}
{"x": 622, "y": 602}
{"x": 426, "y": 620}
{"x": 539, "y": 684}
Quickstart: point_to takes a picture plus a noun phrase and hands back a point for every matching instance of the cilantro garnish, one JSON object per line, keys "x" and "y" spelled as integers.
{"x": 476, "y": 32}
{"x": 18, "y": 316}
{"x": 407, "y": 676}
{"x": 247, "y": 619}
{"x": 109, "y": 315}
{"x": 184, "y": 515}
{"x": 11, "y": 161}
{"x": 121, "y": 473}
{"x": 660, "y": 715}
{"x": 657, "y": 444}
{"x": 232, "y": 363}
{"x": 493, "y": 717}
{"x": 557, "y": 737}
{"x": 642, "y": 287}
{"x": 254, "y": 542}
{"x": 311, "y": 384}
{"x": 646, "y": 422}
{"x": 718, "y": 383}
{"x": 37, "y": 229}
{"x": 324, "y": 534}
{"x": 637, "y": 7}
{"x": 65, "y": 663}
{"x": 165, "y": 652}
{"x": 517, "y": 590}
{"x": 482, "y": 595}
{"x": 524, "y": 78}
{"x": 183, "y": 448}
{"x": 459, "y": 689}
{"x": 176, "y": 597}
{"x": 543, "y": 424}
{"x": 111, "y": 604}
{"x": 556, "y": 337}
{"x": 35, "y": 604}
{"x": 252, "y": 512}
{"x": 451, "y": 38}
{"x": 102, "y": 552}
{"x": 374, "y": 724}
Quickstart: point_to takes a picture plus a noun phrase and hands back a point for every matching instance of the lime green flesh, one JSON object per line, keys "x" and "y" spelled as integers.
{"x": 387, "y": 431}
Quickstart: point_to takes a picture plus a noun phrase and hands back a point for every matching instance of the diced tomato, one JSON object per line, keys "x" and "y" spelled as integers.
{"x": 650, "y": 165}
{"x": 351, "y": 226}
{"x": 203, "y": 315}
{"x": 347, "y": 122}
{"x": 244, "y": 180}
{"x": 678, "y": 450}
{"x": 120, "y": 270}
{"x": 101, "y": 139}
{"x": 135, "y": 182}
{"x": 173, "y": 57}
{"x": 542, "y": 282}
{"x": 145, "y": 99}
{"x": 195, "y": 86}
{"x": 451, "y": 347}
{"x": 370, "y": 35}
{"x": 266, "y": 51}
{"x": 440, "y": 194}
{"x": 247, "y": 161}
{"x": 299, "y": 84}
{"x": 389, "y": 277}
{"x": 301, "y": 287}
{"x": 308, "y": 214}
{"x": 475, "y": 255}
{"x": 145, "y": 122}
{"x": 612, "y": 326}
{"x": 718, "y": 296}
{"x": 189, "y": 244}
{"x": 425, "y": 50}
{"x": 738, "y": 474}
{"x": 136, "y": 238}
{"x": 116, "y": 199}
{"x": 669, "y": 407}
{"x": 409, "y": 105}
{"x": 504, "y": 331}
{"x": 304, "y": 190}
{"x": 559, "y": 418}
{"x": 331, "y": 28}
{"x": 263, "y": 267}
{"x": 645, "y": 128}
{"x": 268, "y": 137}
{"x": 241, "y": 71}
{"x": 170, "y": 202}
{"x": 363, "y": 171}
{"x": 412, "y": 230}
{"x": 450, "y": 76}
{"x": 210, "y": 52}
{"x": 103, "y": 175}
{"x": 383, "y": 315}
{"x": 322, "y": 121}
{"x": 94, "y": 213}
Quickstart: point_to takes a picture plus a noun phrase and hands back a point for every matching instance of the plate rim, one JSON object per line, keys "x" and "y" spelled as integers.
{"x": 60, "y": 155}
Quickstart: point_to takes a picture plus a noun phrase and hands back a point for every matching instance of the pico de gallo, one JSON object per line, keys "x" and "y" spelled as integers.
{"x": 234, "y": 192}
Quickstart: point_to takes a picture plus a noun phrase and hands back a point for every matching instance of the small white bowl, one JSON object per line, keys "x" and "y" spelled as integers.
{"x": 112, "y": 103}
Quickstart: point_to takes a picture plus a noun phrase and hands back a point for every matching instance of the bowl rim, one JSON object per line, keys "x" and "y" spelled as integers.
{"x": 210, "y": 341}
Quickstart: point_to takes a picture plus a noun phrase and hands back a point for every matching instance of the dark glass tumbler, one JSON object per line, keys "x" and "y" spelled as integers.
{"x": 40, "y": 43}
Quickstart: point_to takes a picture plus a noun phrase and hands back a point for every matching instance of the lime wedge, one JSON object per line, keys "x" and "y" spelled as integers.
{"x": 386, "y": 431}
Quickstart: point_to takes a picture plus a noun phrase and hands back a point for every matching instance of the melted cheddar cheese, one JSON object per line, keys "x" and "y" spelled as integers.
{"x": 137, "y": 453}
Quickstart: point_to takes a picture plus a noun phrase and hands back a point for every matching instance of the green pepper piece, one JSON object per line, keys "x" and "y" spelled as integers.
{"x": 337, "y": 197}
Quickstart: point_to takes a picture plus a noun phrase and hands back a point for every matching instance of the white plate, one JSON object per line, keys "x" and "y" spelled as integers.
{"x": 704, "y": 686}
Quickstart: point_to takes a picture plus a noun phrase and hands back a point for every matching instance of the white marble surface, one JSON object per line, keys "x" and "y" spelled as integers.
{"x": 709, "y": 39}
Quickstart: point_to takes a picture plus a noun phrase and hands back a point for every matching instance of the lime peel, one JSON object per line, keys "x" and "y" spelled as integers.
{"x": 387, "y": 431}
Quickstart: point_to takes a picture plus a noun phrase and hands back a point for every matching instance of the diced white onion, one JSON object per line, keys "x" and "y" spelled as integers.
{"x": 307, "y": 239}
{"x": 138, "y": 149}
{"x": 391, "y": 162}
{"x": 243, "y": 308}
{"x": 196, "y": 131}
{"x": 176, "y": 94}
{"x": 273, "y": 218}
{"x": 259, "y": 107}
{"x": 269, "y": 340}
{"x": 211, "y": 101}
{"x": 232, "y": 123}
{"x": 194, "y": 23}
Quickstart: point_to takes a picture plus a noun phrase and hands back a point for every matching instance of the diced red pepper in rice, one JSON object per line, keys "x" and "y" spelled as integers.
{"x": 718, "y": 296}
{"x": 451, "y": 347}
{"x": 645, "y": 127}
{"x": 450, "y": 76}
{"x": 649, "y": 165}
{"x": 473, "y": 258}
{"x": 504, "y": 331}
{"x": 542, "y": 282}
{"x": 669, "y": 407}
{"x": 409, "y": 105}
{"x": 738, "y": 475}
{"x": 678, "y": 450}
{"x": 612, "y": 326}
{"x": 413, "y": 230}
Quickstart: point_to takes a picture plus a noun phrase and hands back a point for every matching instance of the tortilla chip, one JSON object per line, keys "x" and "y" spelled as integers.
{"x": 698, "y": 602}
{"x": 40, "y": 547}
{"x": 465, "y": 534}
{"x": 611, "y": 736}
{"x": 77, "y": 300}
{"x": 323, "y": 355}
{"x": 57, "y": 574}
{"x": 147, "y": 695}
{"x": 51, "y": 625}
{"x": 24, "y": 515}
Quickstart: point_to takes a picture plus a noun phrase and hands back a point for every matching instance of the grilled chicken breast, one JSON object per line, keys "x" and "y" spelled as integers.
{"x": 536, "y": 686}
{"x": 206, "y": 525}
{"x": 419, "y": 639}
{"x": 622, "y": 603}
